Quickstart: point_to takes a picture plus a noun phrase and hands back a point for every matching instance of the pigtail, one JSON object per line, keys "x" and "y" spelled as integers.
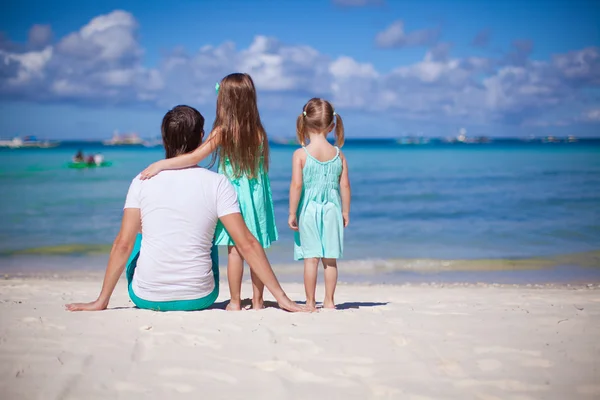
{"x": 301, "y": 129}
{"x": 339, "y": 130}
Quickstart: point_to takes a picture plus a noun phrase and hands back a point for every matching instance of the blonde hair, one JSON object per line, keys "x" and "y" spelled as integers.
{"x": 243, "y": 140}
{"x": 318, "y": 115}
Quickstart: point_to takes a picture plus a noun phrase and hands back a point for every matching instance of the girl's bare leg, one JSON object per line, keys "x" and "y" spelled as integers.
{"x": 235, "y": 273}
{"x": 311, "y": 266}
{"x": 257, "y": 292}
{"x": 331, "y": 275}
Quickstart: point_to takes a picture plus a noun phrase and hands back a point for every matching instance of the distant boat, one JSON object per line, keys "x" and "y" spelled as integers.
{"x": 28, "y": 142}
{"x": 572, "y": 139}
{"x": 285, "y": 141}
{"x": 551, "y": 139}
{"x": 126, "y": 139}
{"x": 411, "y": 140}
{"x": 157, "y": 142}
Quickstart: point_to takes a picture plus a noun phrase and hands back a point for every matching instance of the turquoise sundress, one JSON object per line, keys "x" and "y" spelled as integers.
{"x": 256, "y": 206}
{"x": 320, "y": 224}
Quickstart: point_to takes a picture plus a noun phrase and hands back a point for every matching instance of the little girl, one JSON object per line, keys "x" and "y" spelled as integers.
{"x": 243, "y": 149}
{"x": 319, "y": 197}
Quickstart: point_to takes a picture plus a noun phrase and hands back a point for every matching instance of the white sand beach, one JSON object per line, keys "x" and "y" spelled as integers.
{"x": 386, "y": 342}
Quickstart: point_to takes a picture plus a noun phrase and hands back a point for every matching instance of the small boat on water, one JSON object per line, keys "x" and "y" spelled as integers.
{"x": 413, "y": 140}
{"x": 84, "y": 165}
{"x": 28, "y": 142}
{"x": 155, "y": 142}
{"x": 126, "y": 139}
{"x": 284, "y": 141}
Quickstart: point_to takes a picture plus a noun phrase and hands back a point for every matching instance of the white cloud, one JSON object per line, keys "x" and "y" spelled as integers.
{"x": 30, "y": 64}
{"x": 102, "y": 63}
{"x": 592, "y": 115}
{"x": 110, "y": 37}
{"x": 395, "y": 36}
{"x": 40, "y": 35}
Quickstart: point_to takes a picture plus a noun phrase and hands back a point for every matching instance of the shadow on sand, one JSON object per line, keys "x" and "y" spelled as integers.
{"x": 247, "y": 305}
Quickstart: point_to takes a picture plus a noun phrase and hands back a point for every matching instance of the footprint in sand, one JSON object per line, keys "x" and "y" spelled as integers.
{"x": 130, "y": 387}
{"x": 537, "y": 363}
{"x": 506, "y": 350}
{"x": 485, "y": 396}
{"x": 307, "y": 346}
{"x": 400, "y": 340}
{"x": 292, "y": 372}
{"x": 451, "y": 368}
{"x": 44, "y": 323}
{"x": 186, "y": 339}
{"x": 209, "y": 375}
{"x": 359, "y": 371}
{"x": 592, "y": 390}
{"x": 178, "y": 387}
{"x": 511, "y": 385}
{"x": 489, "y": 364}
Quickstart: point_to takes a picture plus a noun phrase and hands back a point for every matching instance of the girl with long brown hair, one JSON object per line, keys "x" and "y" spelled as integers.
{"x": 319, "y": 197}
{"x": 240, "y": 141}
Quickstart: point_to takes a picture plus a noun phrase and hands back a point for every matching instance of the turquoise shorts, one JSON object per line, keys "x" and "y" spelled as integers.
{"x": 174, "y": 305}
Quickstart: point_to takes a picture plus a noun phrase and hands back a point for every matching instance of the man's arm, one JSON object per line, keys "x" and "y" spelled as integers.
{"x": 121, "y": 250}
{"x": 255, "y": 256}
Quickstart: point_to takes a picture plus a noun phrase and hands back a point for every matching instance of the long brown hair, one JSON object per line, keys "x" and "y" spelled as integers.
{"x": 318, "y": 115}
{"x": 243, "y": 139}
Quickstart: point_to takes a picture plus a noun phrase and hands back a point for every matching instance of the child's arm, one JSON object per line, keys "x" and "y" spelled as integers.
{"x": 184, "y": 160}
{"x": 345, "y": 191}
{"x": 295, "y": 188}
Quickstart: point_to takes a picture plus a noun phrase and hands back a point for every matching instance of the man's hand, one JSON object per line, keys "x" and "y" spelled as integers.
{"x": 291, "y": 306}
{"x": 122, "y": 247}
{"x": 93, "y": 306}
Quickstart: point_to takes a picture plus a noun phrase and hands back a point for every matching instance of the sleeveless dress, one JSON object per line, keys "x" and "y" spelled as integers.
{"x": 320, "y": 224}
{"x": 256, "y": 206}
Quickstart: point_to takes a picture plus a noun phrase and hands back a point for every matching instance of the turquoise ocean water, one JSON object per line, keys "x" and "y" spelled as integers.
{"x": 438, "y": 202}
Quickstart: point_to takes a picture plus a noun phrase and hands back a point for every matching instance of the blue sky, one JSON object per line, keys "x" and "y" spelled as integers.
{"x": 82, "y": 69}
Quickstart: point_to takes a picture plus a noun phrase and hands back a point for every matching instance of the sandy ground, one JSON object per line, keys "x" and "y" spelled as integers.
{"x": 386, "y": 342}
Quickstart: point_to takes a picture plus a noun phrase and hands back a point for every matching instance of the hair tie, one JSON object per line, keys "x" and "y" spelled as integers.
{"x": 217, "y": 87}
{"x": 304, "y": 113}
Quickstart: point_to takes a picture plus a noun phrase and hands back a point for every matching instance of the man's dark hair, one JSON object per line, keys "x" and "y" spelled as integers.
{"x": 182, "y": 130}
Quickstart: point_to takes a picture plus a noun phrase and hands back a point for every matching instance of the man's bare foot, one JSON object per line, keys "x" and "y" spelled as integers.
{"x": 329, "y": 304}
{"x": 311, "y": 305}
{"x": 234, "y": 306}
{"x": 258, "y": 304}
{"x": 288, "y": 305}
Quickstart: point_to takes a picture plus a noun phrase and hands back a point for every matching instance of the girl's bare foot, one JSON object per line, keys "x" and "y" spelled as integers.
{"x": 329, "y": 304}
{"x": 234, "y": 305}
{"x": 258, "y": 304}
{"x": 311, "y": 305}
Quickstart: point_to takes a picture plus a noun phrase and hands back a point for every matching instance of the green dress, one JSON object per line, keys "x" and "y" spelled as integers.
{"x": 320, "y": 224}
{"x": 256, "y": 205}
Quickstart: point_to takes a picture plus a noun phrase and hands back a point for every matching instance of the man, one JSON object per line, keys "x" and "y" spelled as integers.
{"x": 176, "y": 267}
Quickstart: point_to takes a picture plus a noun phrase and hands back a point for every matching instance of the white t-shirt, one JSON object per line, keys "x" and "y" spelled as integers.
{"x": 179, "y": 210}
